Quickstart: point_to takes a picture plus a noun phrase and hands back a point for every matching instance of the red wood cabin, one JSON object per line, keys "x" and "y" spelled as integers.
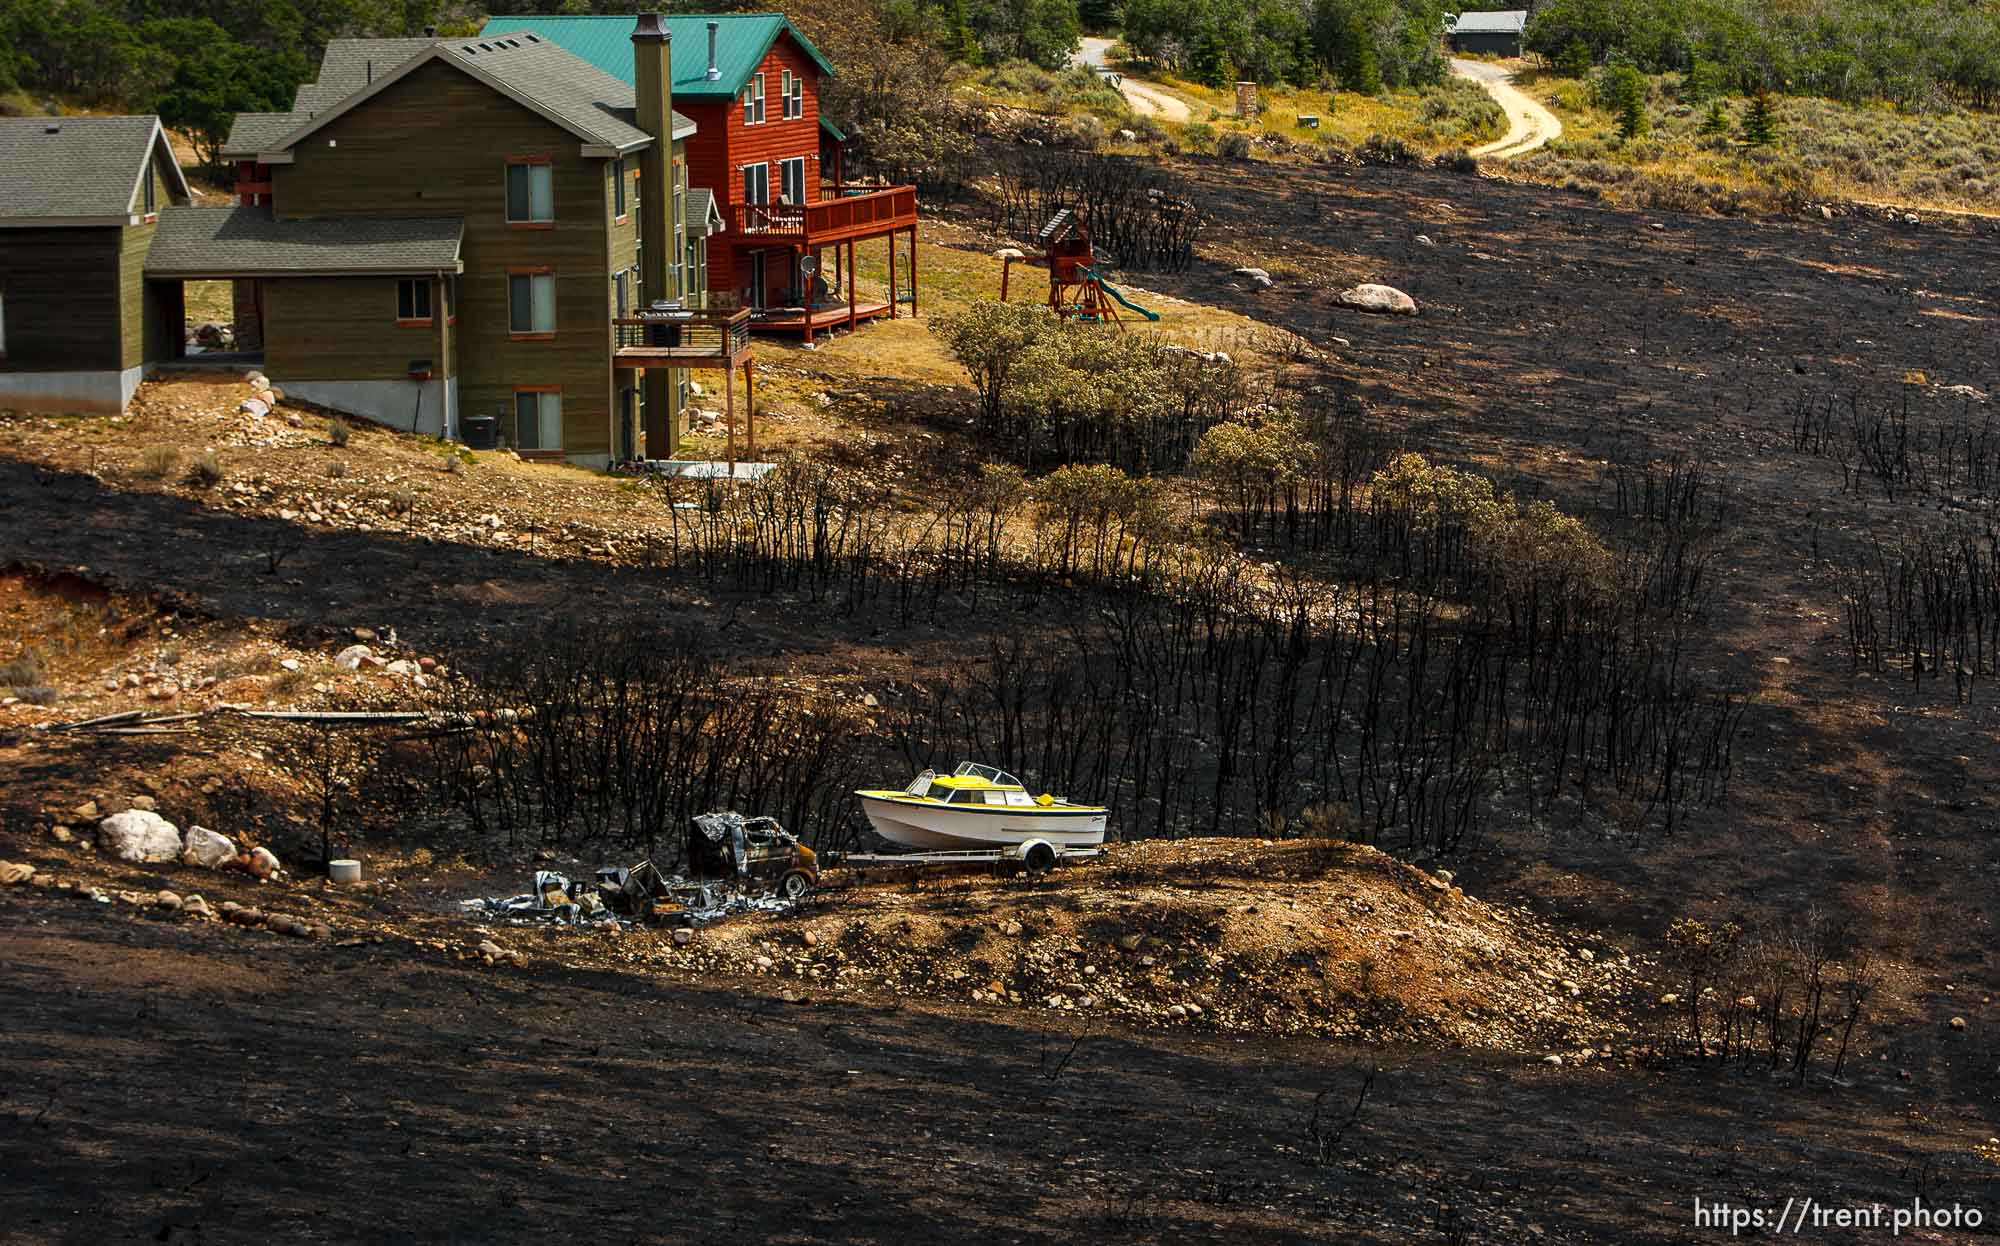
{"x": 790, "y": 228}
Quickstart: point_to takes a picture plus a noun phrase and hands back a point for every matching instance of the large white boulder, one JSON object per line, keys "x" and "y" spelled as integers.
{"x": 1387, "y": 300}
{"x": 206, "y": 847}
{"x": 139, "y": 836}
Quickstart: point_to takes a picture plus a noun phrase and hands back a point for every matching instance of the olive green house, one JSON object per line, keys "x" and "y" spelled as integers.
{"x": 80, "y": 199}
{"x": 477, "y": 238}
{"x": 445, "y": 229}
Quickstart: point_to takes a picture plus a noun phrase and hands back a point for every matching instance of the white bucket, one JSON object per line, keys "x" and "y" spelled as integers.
{"x": 344, "y": 871}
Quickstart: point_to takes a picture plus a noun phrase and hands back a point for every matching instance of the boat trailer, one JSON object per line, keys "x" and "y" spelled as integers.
{"x": 1035, "y": 856}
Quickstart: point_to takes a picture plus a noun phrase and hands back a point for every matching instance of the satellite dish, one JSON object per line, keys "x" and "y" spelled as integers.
{"x": 808, "y": 264}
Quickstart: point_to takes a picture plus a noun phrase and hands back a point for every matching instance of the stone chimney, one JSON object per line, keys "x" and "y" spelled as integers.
{"x": 714, "y": 74}
{"x": 653, "y": 99}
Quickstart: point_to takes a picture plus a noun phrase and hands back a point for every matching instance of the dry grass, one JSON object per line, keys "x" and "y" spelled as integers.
{"x": 1826, "y": 150}
{"x": 1453, "y": 114}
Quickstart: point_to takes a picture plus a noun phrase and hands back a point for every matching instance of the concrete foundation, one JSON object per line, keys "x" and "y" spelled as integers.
{"x": 94, "y": 393}
{"x": 391, "y": 403}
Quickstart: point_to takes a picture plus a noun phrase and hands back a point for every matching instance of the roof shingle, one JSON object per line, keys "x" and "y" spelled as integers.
{"x": 72, "y": 166}
{"x": 246, "y": 241}
{"x": 576, "y": 94}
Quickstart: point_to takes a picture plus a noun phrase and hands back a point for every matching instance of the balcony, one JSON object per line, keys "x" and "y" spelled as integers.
{"x": 682, "y": 339}
{"x": 844, "y": 213}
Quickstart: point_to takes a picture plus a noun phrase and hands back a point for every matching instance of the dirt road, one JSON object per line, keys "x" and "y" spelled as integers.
{"x": 1529, "y": 125}
{"x": 1147, "y": 99}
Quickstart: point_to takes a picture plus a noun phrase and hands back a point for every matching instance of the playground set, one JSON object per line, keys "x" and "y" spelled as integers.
{"x": 1076, "y": 290}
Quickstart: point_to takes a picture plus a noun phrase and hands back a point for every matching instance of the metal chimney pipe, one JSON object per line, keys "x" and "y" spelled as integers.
{"x": 713, "y": 74}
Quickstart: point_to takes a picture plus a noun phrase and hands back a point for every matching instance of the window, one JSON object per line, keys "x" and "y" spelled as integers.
{"x": 413, "y": 300}
{"x": 152, "y": 204}
{"x": 531, "y": 302}
{"x": 756, "y": 183}
{"x": 621, "y": 293}
{"x": 753, "y": 101}
{"x": 618, "y": 187}
{"x": 791, "y": 89}
{"x": 538, "y": 419}
{"x": 530, "y": 192}
{"x": 697, "y": 271}
{"x": 792, "y": 180}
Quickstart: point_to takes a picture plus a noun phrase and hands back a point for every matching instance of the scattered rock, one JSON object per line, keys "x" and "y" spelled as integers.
{"x": 1424, "y": 240}
{"x": 351, "y": 658}
{"x": 683, "y": 936}
{"x": 1011, "y": 929}
{"x": 1128, "y": 136}
{"x": 1178, "y": 1012}
{"x": 168, "y": 901}
{"x": 15, "y": 872}
{"x": 1446, "y": 877}
{"x": 139, "y": 836}
{"x": 207, "y": 848}
{"x": 237, "y": 915}
{"x": 145, "y": 804}
{"x": 290, "y": 664}
{"x": 809, "y": 939}
{"x": 195, "y": 906}
{"x": 1382, "y": 300}
{"x": 1958, "y": 1023}
{"x": 1258, "y": 278}
{"x": 1555, "y": 1060}
{"x": 1130, "y": 942}
{"x": 87, "y": 811}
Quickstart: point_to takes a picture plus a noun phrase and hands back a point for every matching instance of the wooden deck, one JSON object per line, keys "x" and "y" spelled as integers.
{"x": 683, "y": 339}
{"x": 793, "y": 319}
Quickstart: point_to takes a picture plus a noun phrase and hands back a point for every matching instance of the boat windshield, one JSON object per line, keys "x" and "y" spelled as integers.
{"x": 993, "y": 775}
{"x": 921, "y": 784}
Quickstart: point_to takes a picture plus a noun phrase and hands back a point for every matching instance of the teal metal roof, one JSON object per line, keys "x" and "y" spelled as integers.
{"x": 741, "y": 41}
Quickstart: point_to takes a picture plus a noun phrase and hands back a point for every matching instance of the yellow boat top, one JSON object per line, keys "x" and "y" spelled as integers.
{"x": 973, "y": 785}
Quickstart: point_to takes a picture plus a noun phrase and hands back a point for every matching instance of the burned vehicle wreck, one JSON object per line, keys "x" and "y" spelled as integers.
{"x": 757, "y": 853}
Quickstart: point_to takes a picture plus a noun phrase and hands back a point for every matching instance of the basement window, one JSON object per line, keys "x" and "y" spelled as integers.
{"x": 413, "y": 301}
{"x": 538, "y": 419}
{"x": 530, "y": 191}
{"x": 531, "y": 303}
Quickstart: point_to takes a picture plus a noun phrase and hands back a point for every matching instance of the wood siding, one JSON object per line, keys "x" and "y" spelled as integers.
{"x": 436, "y": 143}
{"x": 343, "y": 329}
{"x": 64, "y": 305}
{"x": 724, "y": 144}
{"x": 134, "y": 241}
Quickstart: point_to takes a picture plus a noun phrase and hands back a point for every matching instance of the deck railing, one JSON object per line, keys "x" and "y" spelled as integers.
{"x": 685, "y": 334}
{"x": 847, "y": 211}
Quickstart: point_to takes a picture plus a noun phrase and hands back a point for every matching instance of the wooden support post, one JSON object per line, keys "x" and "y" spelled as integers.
{"x": 892, "y": 274}
{"x": 749, "y": 410}
{"x": 913, "y": 270}
{"x": 729, "y": 409}
{"x": 852, "y": 320}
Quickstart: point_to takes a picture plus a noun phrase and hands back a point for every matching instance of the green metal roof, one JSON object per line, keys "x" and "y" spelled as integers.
{"x": 741, "y": 41}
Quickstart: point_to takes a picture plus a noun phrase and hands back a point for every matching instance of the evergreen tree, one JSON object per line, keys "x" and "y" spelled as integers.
{"x": 1631, "y": 116}
{"x": 1717, "y": 120}
{"x": 1760, "y": 124}
{"x": 1209, "y": 65}
{"x": 1574, "y": 62}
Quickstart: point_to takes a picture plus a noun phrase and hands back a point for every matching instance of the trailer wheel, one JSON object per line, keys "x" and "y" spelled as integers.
{"x": 1039, "y": 859}
{"x": 794, "y": 885}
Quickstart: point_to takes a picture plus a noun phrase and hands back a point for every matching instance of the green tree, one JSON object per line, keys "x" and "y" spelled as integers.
{"x": 220, "y": 80}
{"x": 1631, "y": 115}
{"x": 1717, "y": 120}
{"x": 1760, "y": 123}
{"x": 1574, "y": 60}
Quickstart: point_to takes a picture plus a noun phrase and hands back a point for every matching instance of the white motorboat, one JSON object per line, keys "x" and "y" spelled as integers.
{"x": 977, "y": 807}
